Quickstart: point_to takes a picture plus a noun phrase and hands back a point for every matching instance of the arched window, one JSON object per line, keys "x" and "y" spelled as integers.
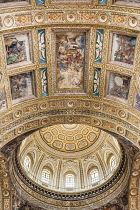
{"x": 27, "y": 162}
{"x": 70, "y": 181}
{"x": 113, "y": 163}
{"x": 94, "y": 175}
{"x": 45, "y": 176}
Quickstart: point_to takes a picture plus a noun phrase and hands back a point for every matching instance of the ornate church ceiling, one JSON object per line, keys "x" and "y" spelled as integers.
{"x": 69, "y": 62}
{"x": 82, "y": 63}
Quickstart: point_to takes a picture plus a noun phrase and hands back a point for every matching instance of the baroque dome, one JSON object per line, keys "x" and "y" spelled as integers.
{"x": 62, "y": 176}
{"x": 102, "y": 154}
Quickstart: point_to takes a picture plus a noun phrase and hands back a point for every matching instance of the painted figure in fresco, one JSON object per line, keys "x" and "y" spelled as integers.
{"x": 2, "y": 100}
{"x": 0, "y": 76}
{"x": 131, "y": 1}
{"x": 15, "y": 50}
{"x": 125, "y": 48}
{"x": 99, "y": 45}
{"x": 119, "y": 85}
{"x": 20, "y": 85}
{"x": 5, "y": 1}
{"x": 44, "y": 81}
{"x": 137, "y": 101}
{"x": 70, "y": 60}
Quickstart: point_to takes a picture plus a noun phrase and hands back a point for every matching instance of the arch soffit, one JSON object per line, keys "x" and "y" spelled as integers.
{"x": 92, "y": 166}
{"x": 47, "y": 166}
{"x": 108, "y": 154}
{"x": 32, "y": 155}
{"x": 15, "y": 122}
{"x": 97, "y": 118}
{"x": 70, "y": 168}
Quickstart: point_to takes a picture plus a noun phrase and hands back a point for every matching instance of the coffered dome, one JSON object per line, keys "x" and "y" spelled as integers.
{"x": 70, "y": 137}
{"x": 48, "y": 163}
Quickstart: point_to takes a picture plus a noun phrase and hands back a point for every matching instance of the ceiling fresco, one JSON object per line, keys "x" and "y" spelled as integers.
{"x": 69, "y": 62}
{"x": 55, "y": 60}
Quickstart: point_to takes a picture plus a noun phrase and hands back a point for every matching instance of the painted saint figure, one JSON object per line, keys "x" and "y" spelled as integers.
{"x": 70, "y": 49}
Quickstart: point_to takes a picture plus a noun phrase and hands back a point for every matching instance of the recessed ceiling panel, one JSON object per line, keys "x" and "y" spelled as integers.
{"x": 118, "y": 86}
{"x": 2, "y": 99}
{"x": 18, "y": 49}
{"x": 122, "y": 48}
{"x": 70, "y": 59}
{"x": 70, "y": 47}
{"x": 71, "y": 1}
{"x": 132, "y": 1}
{"x": 22, "y": 86}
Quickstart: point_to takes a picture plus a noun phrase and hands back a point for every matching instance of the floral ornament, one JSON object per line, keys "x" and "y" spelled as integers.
{"x": 96, "y": 82}
{"x": 42, "y": 46}
{"x": 99, "y": 45}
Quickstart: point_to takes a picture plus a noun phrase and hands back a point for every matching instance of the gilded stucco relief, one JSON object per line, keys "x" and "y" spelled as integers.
{"x": 5, "y": 186}
{"x": 134, "y": 187}
{"x": 101, "y": 55}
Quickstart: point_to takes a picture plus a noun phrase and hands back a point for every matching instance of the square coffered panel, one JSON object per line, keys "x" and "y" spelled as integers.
{"x": 122, "y": 49}
{"x": 22, "y": 87}
{"x": 118, "y": 86}
{"x": 130, "y": 3}
{"x": 18, "y": 49}
{"x": 2, "y": 99}
{"x": 137, "y": 101}
{"x": 5, "y": 1}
